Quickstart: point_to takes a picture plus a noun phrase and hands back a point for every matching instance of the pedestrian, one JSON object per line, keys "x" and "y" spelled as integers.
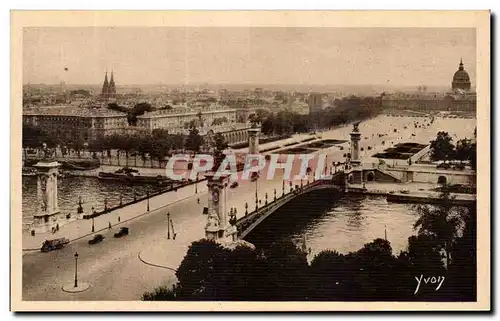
{"x": 175, "y": 234}
{"x": 109, "y": 225}
{"x": 198, "y": 200}
{"x": 118, "y": 219}
{"x": 57, "y": 227}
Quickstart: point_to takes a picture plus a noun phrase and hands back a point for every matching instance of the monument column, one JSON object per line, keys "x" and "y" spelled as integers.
{"x": 218, "y": 227}
{"x": 46, "y": 216}
{"x": 357, "y": 170}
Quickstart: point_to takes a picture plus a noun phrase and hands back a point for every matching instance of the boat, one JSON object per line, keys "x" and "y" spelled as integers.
{"x": 133, "y": 176}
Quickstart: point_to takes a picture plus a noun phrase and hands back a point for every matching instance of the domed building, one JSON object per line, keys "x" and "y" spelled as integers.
{"x": 461, "y": 79}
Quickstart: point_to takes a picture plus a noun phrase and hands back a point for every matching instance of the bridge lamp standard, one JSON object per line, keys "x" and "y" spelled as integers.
{"x": 256, "y": 191}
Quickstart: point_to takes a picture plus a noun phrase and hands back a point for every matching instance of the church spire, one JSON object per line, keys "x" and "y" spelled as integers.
{"x": 105, "y": 85}
{"x": 112, "y": 89}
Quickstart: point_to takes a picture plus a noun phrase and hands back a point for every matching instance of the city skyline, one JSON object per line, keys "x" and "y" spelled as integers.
{"x": 246, "y": 56}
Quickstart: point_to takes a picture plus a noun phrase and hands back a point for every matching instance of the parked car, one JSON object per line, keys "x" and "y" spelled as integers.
{"x": 123, "y": 231}
{"x": 234, "y": 185}
{"x": 98, "y": 238}
{"x": 443, "y": 166}
{"x": 56, "y": 244}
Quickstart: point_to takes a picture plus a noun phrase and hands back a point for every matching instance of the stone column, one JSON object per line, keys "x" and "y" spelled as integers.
{"x": 355, "y": 138}
{"x": 47, "y": 196}
{"x": 218, "y": 221}
{"x": 253, "y": 140}
{"x": 356, "y": 170}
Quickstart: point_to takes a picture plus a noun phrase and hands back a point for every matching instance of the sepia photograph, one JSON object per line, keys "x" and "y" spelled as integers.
{"x": 257, "y": 161}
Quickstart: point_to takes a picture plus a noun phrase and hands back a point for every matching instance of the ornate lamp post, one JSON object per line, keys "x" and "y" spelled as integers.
{"x": 135, "y": 196}
{"x": 105, "y": 205}
{"x": 196, "y": 184}
{"x": 283, "y": 188}
{"x": 168, "y": 225}
{"x": 80, "y": 207}
{"x": 76, "y": 269}
{"x": 275, "y": 194}
{"x": 93, "y": 213}
{"x": 266, "y": 199}
{"x": 148, "y": 201}
{"x": 121, "y": 199}
{"x": 246, "y": 208}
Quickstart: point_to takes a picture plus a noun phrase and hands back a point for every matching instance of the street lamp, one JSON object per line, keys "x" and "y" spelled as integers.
{"x": 93, "y": 213}
{"x": 196, "y": 184}
{"x": 283, "y": 188}
{"x": 168, "y": 225}
{"x": 148, "y": 200}
{"x": 80, "y": 207}
{"x": 76, "y": 269}
{"x": 256, "y": 195}
{"x": 105, "y": 205}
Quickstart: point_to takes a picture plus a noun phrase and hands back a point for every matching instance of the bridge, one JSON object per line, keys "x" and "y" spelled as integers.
{"x": 251, "y": 220}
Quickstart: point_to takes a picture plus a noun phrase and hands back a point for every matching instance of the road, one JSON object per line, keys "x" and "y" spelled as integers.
{"x": 112, "y": 267}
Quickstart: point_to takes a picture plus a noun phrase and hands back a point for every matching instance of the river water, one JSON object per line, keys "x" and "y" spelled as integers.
{"x": 343, "y": 224}
{"x": 92, "y": 190}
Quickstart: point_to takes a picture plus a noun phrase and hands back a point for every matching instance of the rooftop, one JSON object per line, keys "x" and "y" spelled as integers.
{"x": 72, "y": 111}
{"x": 184, "y": 111}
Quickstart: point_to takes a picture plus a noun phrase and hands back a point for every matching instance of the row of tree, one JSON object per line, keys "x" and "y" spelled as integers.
{"x": 443, "y": 149}
{"x": 443, "y": 250}
{"x": 344, "y": 111}
{"x": 156, "y": 145}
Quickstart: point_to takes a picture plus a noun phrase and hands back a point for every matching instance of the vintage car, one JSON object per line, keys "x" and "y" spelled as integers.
{"x": 98, "y": 238}
{"x": 123, "y": 231}
{"x": 56, "y": 244}
{"x": 234, "y": 185}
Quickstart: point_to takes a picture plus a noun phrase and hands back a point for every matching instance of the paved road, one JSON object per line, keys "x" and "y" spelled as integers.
{"x": 113, "y": 268}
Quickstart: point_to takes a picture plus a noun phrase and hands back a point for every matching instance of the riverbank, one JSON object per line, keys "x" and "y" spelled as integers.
{"x": 81, "y": 228}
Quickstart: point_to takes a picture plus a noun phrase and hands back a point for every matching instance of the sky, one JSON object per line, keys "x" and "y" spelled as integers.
{"x": 237, "y": 55}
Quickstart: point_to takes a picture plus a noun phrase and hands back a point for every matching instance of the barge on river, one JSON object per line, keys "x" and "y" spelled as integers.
{"x": 133, "y": 176}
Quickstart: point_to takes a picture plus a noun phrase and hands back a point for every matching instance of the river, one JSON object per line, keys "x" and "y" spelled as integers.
{"x": 343, "y": 224}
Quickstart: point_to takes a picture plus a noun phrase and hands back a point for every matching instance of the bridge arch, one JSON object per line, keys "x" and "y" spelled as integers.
{"x": 248, "y": 223}
{"x": 442, "y": 180}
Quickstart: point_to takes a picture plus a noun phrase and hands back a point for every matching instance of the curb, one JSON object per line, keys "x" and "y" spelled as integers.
{"x": 122, "y": 222}
{"x": 155, "y": 265}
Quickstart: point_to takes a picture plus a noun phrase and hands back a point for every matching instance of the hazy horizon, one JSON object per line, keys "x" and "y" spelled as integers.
{"x": 392, "y": 57}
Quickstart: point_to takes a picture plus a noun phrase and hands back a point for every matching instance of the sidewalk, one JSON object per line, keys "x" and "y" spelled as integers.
{"x": 81, "y": 228}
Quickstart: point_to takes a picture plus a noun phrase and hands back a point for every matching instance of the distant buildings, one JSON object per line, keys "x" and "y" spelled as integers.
{"x": 71, "y": 122}
{"x": 459, "y": 99}
{"x": 176, "y": 120}
{"x": 315, "y": 102}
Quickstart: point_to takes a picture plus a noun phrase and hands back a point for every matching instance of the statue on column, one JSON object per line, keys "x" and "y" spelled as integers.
{"x": 47, "y": 152}
{"x": 356, "y": 127}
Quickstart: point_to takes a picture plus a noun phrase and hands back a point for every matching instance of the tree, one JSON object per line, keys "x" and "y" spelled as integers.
{"x": 442, "y": 147}
{"x": 463, "y": 149}
{"x": 443, "y": 221}
{"x": 194, "y": 140}
{"x": 219, "y": 146}
{"x": 329, "y": 275}
{"x": 198, "y": 266}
